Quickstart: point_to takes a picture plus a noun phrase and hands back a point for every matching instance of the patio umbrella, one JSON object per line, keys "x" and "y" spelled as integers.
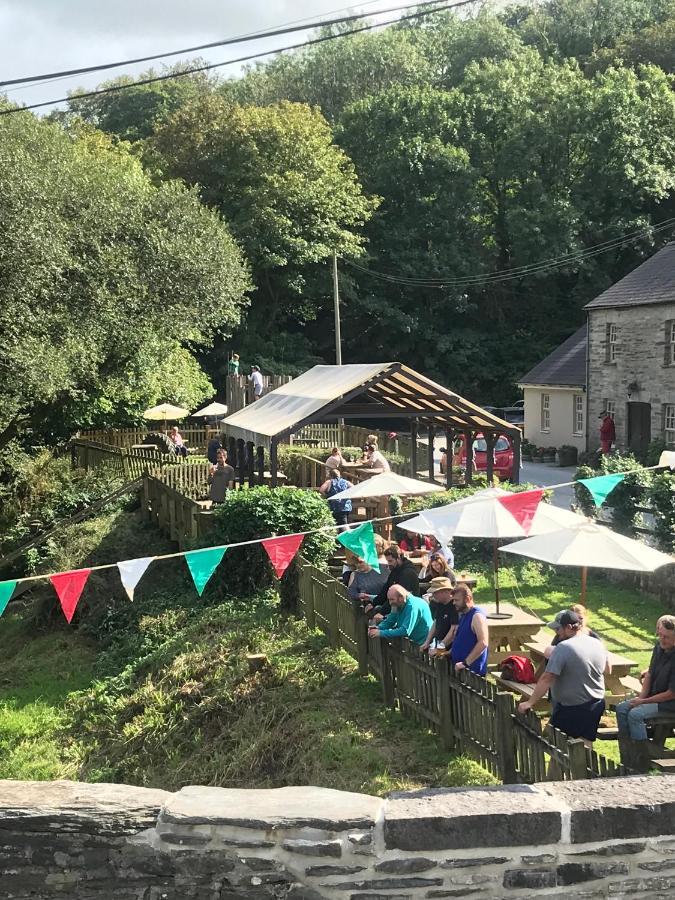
{"x": 165, "y": 411}
{"x": 591, "y": 545}
{"x": 213, "y": 409}
{"x": 386, "y": 484}
{"x": 483, "y": 516}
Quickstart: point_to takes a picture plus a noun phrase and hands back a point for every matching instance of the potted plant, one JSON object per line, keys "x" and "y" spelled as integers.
{"x": 567, "y": 455}
{"x": 548, "y": 455}
{"x": 527, "y": 450}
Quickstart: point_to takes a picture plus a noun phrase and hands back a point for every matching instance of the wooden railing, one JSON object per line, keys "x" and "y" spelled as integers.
{"x": 469, "y": 713}
{"x": 194, "y": 438}
{"x": 177, "y": 516}
{"x": 239, "y": 389}
{"x": 128, "y": 464}
{"x": 328, "y": 436}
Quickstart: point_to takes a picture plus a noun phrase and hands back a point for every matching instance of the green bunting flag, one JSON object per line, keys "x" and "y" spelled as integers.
{"x": 202, "y": 564}
{"x": 361, "y": 541}
{"x": 6, "y": 591}
{"x": 601, "y": 486}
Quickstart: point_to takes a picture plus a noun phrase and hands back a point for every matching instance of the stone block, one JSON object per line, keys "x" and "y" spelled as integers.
{"x": 470, "y": 862}
{"x": 313, "y": 848}
{"x": 640, "y": 886}
{"x": 630, "y": 807}
{"x": 529, "y": 879}
{"x": 455, "y": 892}
{"x": 327, "y": 871}
{"x": 371, "y": 896}
{"x": 384, "y": 884}
{"x": 577, "y": 873}
{"x": 360, "y": 839}
{"x": 542, "y": 859}
{"x": 287, "y": 807}
{"x": 405, "y": 866}
{"x": 658, "y": 866}
{"x": 459, "y": 818}
{"x": 627, "y": 849}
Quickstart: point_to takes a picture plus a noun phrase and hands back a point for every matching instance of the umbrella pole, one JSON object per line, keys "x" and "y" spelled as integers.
{"x": 584, "y": 575}
{"x": 495, "y": 565}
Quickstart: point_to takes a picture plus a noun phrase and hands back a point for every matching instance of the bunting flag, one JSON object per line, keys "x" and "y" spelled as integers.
{"x": 69, "y": 587}
{"x": 131, "y": 572}
{"x": 601, "y": 486}
{"x": 361, "y": 541}
{"x": 6, "y": 591}
{"x": 523, "y": 506}
{"x": 202, "y": 564}
{"x": 281, "y": 551}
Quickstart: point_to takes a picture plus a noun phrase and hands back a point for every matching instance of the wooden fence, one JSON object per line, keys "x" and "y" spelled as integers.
{"x": 469, "y": 713}
{"x": 177, "y": 516}
{"x": 128, "y": 464}
{"x": 194, "y": 437}
{"x": 239, "y": 390}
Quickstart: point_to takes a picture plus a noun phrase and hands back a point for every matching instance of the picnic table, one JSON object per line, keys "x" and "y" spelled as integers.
{"x": 619, "y": 682}
{"x": 508, "y": 636}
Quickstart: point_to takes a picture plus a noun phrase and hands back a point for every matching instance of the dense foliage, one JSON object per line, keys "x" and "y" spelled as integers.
{"x": 487, "y": 142}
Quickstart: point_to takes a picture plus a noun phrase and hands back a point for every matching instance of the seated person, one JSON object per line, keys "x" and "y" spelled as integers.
{"x": 656, "y": 697}
{"x": 375, "y": 460}
{"x": 444, "y": 549}
{"x": 177, "y": 439}
{"x": 221, "y": 478}
{"x": 409, "y": 617}
{"x": 401, "y": 572}
{"x": 446, "y": 617}
{"x": 444, "y": 460}
{"x": 414, "y": 544}
{"x": 365, "y": 581}
{"x": 349, "y": 567}
{"x": 335, "y": 460}
{"x": 436, "y": 567}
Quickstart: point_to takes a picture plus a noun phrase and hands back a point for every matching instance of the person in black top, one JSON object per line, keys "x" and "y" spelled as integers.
{"x": 402, "y": 572}
{"x": 656, "y": 697}
{"x": 446, "y": 617}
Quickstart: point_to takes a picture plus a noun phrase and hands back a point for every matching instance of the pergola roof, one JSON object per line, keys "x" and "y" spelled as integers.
{"x": 381, "y": 390}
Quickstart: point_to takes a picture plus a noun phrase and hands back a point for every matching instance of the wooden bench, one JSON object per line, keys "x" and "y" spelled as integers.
{"x": 667, "y": 766}
{"x": 524, "y": 691}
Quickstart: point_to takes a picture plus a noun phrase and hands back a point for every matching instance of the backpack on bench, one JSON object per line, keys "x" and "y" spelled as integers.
{"x": 518, "y": 668}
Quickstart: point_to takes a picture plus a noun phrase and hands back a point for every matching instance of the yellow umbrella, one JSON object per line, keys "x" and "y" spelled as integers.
{"x": 165, "y": 411}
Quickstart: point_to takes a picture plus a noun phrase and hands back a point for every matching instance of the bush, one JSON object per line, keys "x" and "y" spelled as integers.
{"x": 661, "y": 496}
{"x": 656, "y": 447}
{"x": 262, "y": 512}
{"x": 625, "y": 496}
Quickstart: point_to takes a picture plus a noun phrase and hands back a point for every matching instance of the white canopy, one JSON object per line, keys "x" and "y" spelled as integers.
{"x": 165, "y": 411}
{"x": 593, "y": 546}
{"x": 482, "y": 516}
{"x": 385, "y": 485}
{"x": 213, "y": 409}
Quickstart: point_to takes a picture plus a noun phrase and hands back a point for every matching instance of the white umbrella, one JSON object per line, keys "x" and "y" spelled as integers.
{"x": 482, "y": 516}
{"x": 386, "y": 484}
{"x": 591, "y": 545}
{"x": 213, "y": 409}
{"x": 165, "y": 411}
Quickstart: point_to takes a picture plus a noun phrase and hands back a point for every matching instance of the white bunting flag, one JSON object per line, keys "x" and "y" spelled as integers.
{"x": 131, "y": 572}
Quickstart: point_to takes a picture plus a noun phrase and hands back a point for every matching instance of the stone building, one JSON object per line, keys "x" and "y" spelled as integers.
{"x": 554, "y": 392}
{"x": 631, "y": 355}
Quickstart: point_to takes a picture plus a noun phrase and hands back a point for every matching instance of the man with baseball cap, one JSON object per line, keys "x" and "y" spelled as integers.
{"x": 575, "y": 677}
{"x": 446, "y": 617}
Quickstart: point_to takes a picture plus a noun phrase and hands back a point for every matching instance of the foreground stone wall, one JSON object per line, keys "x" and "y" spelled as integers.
{"x": 603, "y": 838}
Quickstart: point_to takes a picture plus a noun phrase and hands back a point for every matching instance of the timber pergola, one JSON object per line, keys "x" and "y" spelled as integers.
{"x": 325, "y": 394}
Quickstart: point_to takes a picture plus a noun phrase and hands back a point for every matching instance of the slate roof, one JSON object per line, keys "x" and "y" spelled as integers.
{"x": 565, "y": 366}
{"x": 652, "y": 282}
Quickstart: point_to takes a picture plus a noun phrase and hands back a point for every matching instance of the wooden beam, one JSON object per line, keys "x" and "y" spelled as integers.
{"x": 261, "y": 465}
{"x": 489, "y": 439}
{"x": 274, "y": 463}
{"x": 430, "y": 453}
{"x": 413, "y": 448}
{"x": 449, "y": 440}
{"x": 515, "y": 471}
{"x": 250, "y": 463}
{"x": 468, "y": 472}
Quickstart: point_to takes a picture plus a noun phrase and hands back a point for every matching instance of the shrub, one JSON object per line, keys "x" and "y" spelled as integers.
{"x": 656, "y": 447}
{"x": 625, "y": 496}
{"x": 661, "y": 497}
{"x": 262, "y": 512}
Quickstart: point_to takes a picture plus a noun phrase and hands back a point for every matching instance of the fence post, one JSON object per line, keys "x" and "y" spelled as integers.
{"x": 309, "y": 602}
{"x": 388, "y": 693}
{"x": 445, "y": 703}
{"x": 333, "y": 613}
{"x": 577, "y": 754}
{"x": 505, "y": 744}
{"x": 361, "y": 629}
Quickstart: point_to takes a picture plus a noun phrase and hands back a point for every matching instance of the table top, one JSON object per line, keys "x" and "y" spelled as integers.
{"x": 617, "y": 661}
{"x": 519, "y": 618}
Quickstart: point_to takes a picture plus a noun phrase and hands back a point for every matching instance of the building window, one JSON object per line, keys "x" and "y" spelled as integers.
{"x": 669, "y": 423}
{"x": 611, "y": 342}
{"x": 545, "y": 412}
{"x": 669, "y": 358}
{"x": 610, "y": 408}
{"x": 578, "y": 423}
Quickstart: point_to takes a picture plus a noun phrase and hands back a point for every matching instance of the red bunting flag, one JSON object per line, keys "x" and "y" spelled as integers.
{"x": 523, "y": 506}
{"x": 69, "y": 587}
{"x": 281, "y": 551}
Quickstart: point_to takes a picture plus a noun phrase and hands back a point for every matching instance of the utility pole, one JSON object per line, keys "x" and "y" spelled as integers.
{"x": 336, "y": 304}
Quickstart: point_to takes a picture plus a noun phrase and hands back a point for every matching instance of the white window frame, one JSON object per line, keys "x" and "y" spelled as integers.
{"x": 669, "y": 423}
{"x": 545, "y": 413}
{"x": 612, "y": 340}
{"x": 671, "y": 344}
{"x": 578, "y": 414}
{"x": 610, "y": 408}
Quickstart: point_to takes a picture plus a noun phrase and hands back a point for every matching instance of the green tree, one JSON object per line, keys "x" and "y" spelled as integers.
{"x": 102, "y": 277}
{"x": 290, "y": 195}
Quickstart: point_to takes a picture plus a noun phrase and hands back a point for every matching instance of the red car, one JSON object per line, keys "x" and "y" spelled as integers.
{"x": 503, "y": 455}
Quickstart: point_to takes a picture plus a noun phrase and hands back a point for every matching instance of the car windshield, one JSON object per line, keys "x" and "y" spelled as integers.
{"x": 501, "y": 444}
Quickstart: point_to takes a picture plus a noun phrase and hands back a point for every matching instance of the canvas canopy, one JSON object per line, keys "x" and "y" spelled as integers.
{"x": 385, "y": 485}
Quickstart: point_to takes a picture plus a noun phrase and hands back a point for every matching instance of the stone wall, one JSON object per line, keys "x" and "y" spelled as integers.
{"x": 640, "y": 358}
{"x": 603, "y": 838}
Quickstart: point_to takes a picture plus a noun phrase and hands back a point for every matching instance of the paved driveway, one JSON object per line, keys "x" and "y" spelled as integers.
{"x": 543, "y": 474}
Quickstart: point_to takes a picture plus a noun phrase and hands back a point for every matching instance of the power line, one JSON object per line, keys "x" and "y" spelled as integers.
{"x": 518, "y": 273}
{"x": 320, "y": 40}
{"x": 239, "y": 39}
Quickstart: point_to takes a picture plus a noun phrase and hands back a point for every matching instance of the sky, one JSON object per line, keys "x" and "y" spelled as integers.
{"x": 39, "y": 36}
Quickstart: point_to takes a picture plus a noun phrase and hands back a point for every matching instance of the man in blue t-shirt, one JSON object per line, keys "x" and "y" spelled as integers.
{"x": 335, "y": 484}
{"x": 410, "y": 617}
{"x": 470, "y": 646}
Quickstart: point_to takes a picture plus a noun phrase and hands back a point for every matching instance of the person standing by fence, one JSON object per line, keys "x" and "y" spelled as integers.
{"x": 410, "y": 617}
{"x": 335, "y": 484}
{"x": 470, "y": 645}
{"x": 221, "y": 478}
{"x": 256, "y": 379}
{"x": 233, "y": 365}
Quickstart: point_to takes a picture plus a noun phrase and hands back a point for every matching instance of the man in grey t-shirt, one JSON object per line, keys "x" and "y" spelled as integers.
{"x": 575, "y": 677}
